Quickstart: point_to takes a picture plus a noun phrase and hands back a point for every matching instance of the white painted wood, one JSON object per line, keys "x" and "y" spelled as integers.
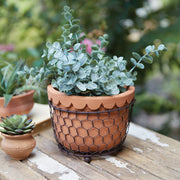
{"x": 40, "y": 113}
{"x": 145, "y": 134}
{"x": 51, "y": 166}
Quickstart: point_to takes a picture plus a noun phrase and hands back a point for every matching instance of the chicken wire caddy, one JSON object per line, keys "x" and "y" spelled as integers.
{"x": 84, "y": 87}
{"x": 88, "y": 147}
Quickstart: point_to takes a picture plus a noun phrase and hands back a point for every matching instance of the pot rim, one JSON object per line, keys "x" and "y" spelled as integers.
{"x": 21, "y": 136}
{"x": 21, "y": 95}
{"x": 93, "y": 102}
{"x": 17, "y": 136}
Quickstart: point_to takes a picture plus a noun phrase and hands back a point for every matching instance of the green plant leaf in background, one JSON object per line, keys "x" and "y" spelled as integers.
{"x": 7, "y": 98}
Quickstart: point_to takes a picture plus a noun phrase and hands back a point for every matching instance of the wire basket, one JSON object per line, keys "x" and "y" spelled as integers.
{"x": 88, "y": 134}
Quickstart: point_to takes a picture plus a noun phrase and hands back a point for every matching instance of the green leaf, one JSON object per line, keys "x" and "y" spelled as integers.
{"x": 133, "y": 61}
{"x": 128, "y": 82}
{"x": 13, "y": 77}
{"x": 100, "y": 56}
{"x": 81, "y": 74}
{"x": 27, "y": 130}
{"x": 91, "y": 85}
{"x": 94, "y": 47}
{"x": 56, "y": 45}
{"x": 54, "y": 83}
{"x": 74, "y": 28}
{"x": 30, "y": 126}
{"x": 67, "y": 16}
{"x": 3, "y": 131}
{"x": 147, "y": 59}
{"x": 94, "y": 77}
{"x": 162, "y": 47}
{"x": 140, "y": 65}
{"x": 76, "y": 67}
{"x": 83, "y": 60}
{"x": 104, "y": 43}
{"x": 115, "y": 91}
{"x": 157, "y": 53}
{"x": 93, "y": 63}
{"x": 75, "y": 21}
{"x": 72, "y": 79}
{"x": 53, "y": 61}
{"x": 122, "y": 66}
{"x": 7, "y": 99}
{"x": 76, "y": 46}
{"x": 106, "y": 36}
{"x": 66, "y": 8}
{"x": 81, "y": 86}
{"x": 136, "y": 56}
{"x": 94, "y": 53}
{"x": 23, "y": 120}
{"x": 148, "y": 49}
{"x": 103, "y": 79}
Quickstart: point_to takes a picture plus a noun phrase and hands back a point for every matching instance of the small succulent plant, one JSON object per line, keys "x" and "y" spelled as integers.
{"x": 16, "y": 125}
{"x": 18, "y": 78}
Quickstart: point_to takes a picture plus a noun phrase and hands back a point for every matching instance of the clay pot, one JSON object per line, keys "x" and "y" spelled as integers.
{"x": 20, "y": 104}
{"x": 18, "y": 147}
{"x": 90, "y": 132}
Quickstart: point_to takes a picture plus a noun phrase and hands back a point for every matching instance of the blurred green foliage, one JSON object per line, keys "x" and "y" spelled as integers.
{"x": 152, "y": 104}
{"x": 29, "y": 24}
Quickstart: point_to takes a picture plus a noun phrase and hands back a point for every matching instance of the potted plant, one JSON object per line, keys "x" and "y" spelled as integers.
{"x": 17, "y": 141}
{"x": 17, "y": 85}
{"x": 90, "y": 95}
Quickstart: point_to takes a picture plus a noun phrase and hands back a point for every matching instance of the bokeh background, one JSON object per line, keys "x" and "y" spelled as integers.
{"x": 25, "y": 27}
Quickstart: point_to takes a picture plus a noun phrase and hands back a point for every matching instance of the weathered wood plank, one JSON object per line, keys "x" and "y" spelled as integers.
{"x": 48, "y": 133}
{"x": 168, "y": 163}
{"x": 123, "y": 169}
{"x": 154, "y": 167}
{"x": 119, "y": 172}
{"x": 157, "y": 140}
{"x": 40, "y": 113}
{"x": 42, "y": 127}
{"x": 15, "y": 170}
{"x": 51, "y": 168}
{"x": 87, "y": 170}
{"x": 158, "y": 154}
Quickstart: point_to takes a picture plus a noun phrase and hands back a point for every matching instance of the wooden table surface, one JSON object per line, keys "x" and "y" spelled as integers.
{"x": 146, "y": 155}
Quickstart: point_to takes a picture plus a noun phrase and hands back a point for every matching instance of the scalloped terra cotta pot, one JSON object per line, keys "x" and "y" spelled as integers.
{"x": 86, "y": 132}
{"x": 20, "y": 104}
{"x": 18, "y": 147}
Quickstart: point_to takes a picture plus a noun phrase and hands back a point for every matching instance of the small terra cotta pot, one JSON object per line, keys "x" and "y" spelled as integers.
{"x": 18, "y": 147}
{"x": 20, "y": 104}
{"x": 85, "y": 132}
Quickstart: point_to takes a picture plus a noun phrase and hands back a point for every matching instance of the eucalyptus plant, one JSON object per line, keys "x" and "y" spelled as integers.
{"x": 75, "y": 72}
{"x": 17, "y": 125}
{"x": 17, "y": 79}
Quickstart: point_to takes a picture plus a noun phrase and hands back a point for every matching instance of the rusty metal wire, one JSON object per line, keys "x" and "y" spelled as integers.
{"x": 88, "y": 134}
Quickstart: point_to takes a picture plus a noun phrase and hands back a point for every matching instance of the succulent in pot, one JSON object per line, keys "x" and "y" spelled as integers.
{"x": 17, "y": 141}
{"x": 17, "y": 86}
{"x": 95, "y": 83}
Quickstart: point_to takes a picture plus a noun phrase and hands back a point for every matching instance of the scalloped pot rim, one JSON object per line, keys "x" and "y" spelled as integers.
{"x": 92, "y": 102}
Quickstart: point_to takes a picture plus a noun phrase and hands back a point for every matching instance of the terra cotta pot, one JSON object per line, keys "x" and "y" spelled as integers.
{"x": 18, "y": 147}
{"x": 20, "y": 104}
{"x": 94, "y": 131}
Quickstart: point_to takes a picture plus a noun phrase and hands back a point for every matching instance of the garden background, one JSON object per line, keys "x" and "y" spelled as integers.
{"x": 26, "y": 25}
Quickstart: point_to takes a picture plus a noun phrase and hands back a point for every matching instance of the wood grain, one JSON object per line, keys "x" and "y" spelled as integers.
{"x": 146, "y": 155}
{"x": 16, "y": 170}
